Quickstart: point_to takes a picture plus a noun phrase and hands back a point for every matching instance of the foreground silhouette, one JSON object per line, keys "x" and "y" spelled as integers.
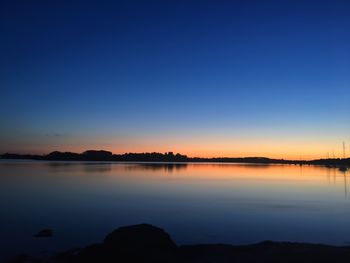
{"x": 101, "y": 155}
{"x": 147, "y": 243}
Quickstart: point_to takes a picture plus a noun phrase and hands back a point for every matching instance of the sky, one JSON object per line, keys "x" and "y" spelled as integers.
{"x": 203, "y": 78}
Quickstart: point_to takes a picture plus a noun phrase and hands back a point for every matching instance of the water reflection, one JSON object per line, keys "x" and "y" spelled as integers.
{"x": 333, "y": 173}
{"x": 166, "y": 167}
{"x": 344, "y": 172}
{"x": 196, "y": 203}
{"x": 89, "y": 167}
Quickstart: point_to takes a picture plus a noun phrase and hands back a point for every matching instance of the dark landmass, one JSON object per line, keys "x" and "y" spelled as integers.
{"x": 93, "y": 155}
{"x": 146, "y": 243}
{"x": 47, "y": 232}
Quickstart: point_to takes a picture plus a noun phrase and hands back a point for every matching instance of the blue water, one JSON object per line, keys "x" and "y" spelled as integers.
{"x": 195, "y": 203}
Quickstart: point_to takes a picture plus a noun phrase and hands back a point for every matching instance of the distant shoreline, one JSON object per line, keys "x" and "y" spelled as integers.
{"x": 170, "y": 157}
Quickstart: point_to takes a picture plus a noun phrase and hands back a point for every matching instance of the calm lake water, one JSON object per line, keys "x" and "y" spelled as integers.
{"x": 195, "y": 203}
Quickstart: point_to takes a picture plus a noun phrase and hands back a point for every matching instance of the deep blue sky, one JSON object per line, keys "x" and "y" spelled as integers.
{"x": 201, "y": 77}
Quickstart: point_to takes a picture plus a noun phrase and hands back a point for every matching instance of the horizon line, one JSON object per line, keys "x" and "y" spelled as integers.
{"x": 174, "y": 153}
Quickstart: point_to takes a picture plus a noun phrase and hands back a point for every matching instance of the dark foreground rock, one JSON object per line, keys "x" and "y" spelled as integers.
{"x": 48, "y": 232}
{"x": 138, "y": 243}
{"x": 147, "y": 243}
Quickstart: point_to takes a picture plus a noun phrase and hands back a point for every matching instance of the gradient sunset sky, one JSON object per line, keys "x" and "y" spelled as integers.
{"x": 203, "y": 78}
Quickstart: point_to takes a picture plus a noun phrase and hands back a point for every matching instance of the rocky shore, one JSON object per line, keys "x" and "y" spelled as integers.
{"x": 147, "y": 243}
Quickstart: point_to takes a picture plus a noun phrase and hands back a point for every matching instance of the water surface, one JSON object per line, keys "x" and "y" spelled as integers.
{"x": 195, "y": 203}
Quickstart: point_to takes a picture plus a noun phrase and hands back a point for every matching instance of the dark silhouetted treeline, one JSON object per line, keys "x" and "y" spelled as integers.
{"x": 93, "y": 155}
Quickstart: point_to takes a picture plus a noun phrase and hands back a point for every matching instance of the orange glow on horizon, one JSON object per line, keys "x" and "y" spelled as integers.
{"x": 204, "y": 153}
{"x": 207, "y": 147}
